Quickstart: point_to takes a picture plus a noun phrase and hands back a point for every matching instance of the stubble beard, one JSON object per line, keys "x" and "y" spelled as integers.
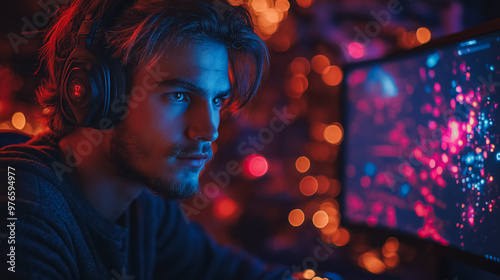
{"x": 123, "y": 154}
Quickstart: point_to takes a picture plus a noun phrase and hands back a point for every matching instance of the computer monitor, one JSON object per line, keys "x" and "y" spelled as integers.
{"x": 421, "y": 153}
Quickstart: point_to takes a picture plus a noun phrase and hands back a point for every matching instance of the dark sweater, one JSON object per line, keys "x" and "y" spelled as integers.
{"x": 58, "y": 235}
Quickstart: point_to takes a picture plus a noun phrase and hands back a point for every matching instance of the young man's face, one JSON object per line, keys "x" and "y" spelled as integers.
{"x": 166, "y": 139}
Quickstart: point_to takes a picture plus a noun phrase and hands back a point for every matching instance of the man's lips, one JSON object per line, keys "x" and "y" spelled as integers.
{"x": 195, "y": 160}
{"x": 193, "y": 157}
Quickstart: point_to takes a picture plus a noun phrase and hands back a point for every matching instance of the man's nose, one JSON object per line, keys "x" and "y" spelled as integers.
{"x": 203, "y": 122}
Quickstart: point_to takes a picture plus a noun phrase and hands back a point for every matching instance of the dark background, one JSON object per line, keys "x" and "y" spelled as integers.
{"x": 253, "y": 212}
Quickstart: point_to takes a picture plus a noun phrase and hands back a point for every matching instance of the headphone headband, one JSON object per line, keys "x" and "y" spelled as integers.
{"x": 92, "y": 81}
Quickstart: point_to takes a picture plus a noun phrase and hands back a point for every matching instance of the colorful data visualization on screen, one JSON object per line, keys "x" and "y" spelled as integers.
{"x": 422, "y": 145}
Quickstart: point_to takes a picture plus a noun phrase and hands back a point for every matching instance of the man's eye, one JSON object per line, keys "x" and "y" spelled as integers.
{"x": 177, "y": 96}
{"x": 218, "y": 101}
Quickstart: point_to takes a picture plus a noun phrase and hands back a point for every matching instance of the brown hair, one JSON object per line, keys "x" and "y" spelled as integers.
{"x": 144, "y": 31}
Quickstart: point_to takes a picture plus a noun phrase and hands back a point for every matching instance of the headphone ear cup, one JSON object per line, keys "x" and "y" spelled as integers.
{"x": 93, "y": 89}
{"x": 80, "y": 87}
{"x": 118, "y": 91}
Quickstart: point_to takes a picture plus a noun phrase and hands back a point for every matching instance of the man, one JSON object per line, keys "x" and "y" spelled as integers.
{"x": 93, "y": 197}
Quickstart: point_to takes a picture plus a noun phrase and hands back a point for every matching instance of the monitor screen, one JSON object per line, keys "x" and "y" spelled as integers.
{"x": 422, "y": 145}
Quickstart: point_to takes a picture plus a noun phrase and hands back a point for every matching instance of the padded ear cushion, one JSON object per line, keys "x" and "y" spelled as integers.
{"x": 118, "y": 91}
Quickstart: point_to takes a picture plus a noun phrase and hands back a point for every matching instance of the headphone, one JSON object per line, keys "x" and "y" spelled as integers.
{"x": 93, "y": 83}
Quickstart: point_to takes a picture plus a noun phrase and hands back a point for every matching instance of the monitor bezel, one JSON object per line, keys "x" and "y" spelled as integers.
{"x": 478, "y": 261}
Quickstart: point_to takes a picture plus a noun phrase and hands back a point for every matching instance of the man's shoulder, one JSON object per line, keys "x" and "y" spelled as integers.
{"x": 31, "y": 178}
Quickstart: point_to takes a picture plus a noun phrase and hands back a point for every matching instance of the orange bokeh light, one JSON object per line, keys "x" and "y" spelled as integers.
{"x": 334, "y": 188}
{"x": 300, "y": 65}
{"x": 302, "y": 164}
{"x": 299, "y": 83}
{"x": 296, "y": 217}
{"x": 259, "y": 6}
{"x": 308, "y": 185}
{"x": 423, "y": 35}
{"x": 372, "y": 263}
{"x": 390, "y": 246}
{"x": 330, "y": 229}
{"x": 304, "y": 3}
{"x": 332, "y": 75}
{"x": 319, "y": 63}
{"x": 333, "y": 133}
{"x": 308, "y": 274}
{"x": 272, "y": 15}
{"x": 341, "y": 237}
{"x": 18, "y": 120}
{"x": 323, "y": 184}
{"x": 392, "y": 261}
{"x": 282, "y": 5}
{"x": 317, "y": 131}
{"x": 320, "y": 219}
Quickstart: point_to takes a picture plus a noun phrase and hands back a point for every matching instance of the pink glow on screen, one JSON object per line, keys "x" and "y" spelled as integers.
{"x": 437, "y": 88}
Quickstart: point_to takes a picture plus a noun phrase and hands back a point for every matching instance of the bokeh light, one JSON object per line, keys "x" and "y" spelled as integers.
{"x": 18, "y": 120}
{"x": 224, "y": 208}
{"x": 320, "y": 219}
{"x": 319, "y": 63}
{"x": 334, "y": 133}
{"x": 390, "y": 247}
{"x": 423, "y": 35}
{"x": 298, "y": 84}
{"x": 356, "y": 50}
{"x": 259, "y": 6}
{"x": 282, "y": 5}
{"x": 302, "y": 164}
{"x": 296, "y": 217}
{"x": 318, "y": 130}
{"x": 392, "y": 261}
{"x": 308, "y": 185}
{"x": 300, "y": 65}
{"x": 256, "y": 165}
{"x": 371, "y": 262}
{"x": 323, "y": 184}
{"x": 332, "y": 75}
{"x": 308, "y": 274}
{"x": 268, "y": 15}
{"x": 272, "y": 15}
{"x": 341, "y": 237}
{"x": 304, "y": 3}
